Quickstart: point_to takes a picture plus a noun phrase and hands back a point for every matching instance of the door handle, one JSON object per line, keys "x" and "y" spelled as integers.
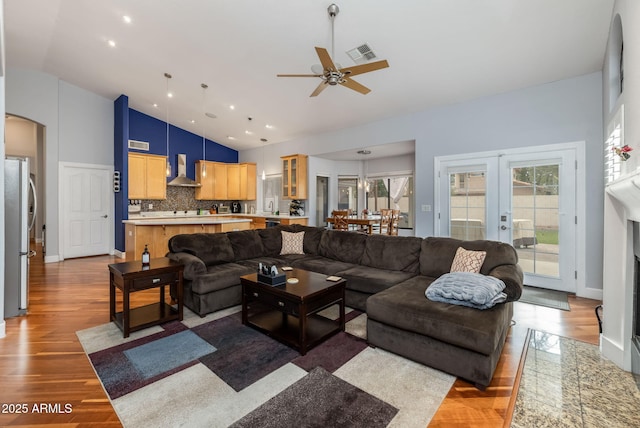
{"x": 503, "y": 227}
{"x": 105, "y": 216}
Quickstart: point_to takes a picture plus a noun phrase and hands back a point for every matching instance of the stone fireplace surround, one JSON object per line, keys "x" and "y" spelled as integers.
{"x": 619, "y": 340}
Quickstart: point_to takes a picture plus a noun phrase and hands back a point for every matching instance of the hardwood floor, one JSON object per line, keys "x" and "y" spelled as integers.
{"x": 42, "y": 361}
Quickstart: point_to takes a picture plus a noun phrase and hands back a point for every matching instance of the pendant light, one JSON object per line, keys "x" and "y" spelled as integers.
{"x": 264, "y": 141}
{"x": 204, "y": 147}
{"x": 169, "y": 95}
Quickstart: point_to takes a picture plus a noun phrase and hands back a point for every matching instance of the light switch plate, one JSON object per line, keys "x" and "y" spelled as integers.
{"x": 426, "y": 208}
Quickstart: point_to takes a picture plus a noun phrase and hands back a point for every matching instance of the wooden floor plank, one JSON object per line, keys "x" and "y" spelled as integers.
{"x": 42, "y": 361}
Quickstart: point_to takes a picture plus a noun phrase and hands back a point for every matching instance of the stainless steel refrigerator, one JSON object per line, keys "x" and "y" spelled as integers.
{"x": 20, "y": 206}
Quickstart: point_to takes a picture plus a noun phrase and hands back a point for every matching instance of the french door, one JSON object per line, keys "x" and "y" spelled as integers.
{"x": 525, "y": 199}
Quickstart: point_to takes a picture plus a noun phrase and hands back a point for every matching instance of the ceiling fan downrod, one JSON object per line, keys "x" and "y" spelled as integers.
{"x": 333, "y": 10}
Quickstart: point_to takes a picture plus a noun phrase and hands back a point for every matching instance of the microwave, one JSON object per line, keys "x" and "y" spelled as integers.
{"x": 223, "y": 210}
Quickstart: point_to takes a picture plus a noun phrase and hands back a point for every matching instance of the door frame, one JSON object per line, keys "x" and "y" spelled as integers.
{"x": 62, "y": 219}
{"x": 580, "y": 156}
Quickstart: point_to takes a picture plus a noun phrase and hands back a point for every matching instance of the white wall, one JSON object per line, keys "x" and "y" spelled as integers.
{"x": 2, "y": 112}
{"x": 559, "y": 112}
{"x": 618, "y": 275}
{"x": 79, "y": 128}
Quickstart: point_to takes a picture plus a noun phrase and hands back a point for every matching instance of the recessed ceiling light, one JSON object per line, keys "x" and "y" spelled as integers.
{"x": 127, "y": 19}
{"x": 155, "y": 105}
{"x": 268, "y": 126}
{"x": 364, "y": 152}
{"x": 169, "y": 95}
{"x": 111, "y": 43}
{"x": 248, "y": 132}
{"x": 229, "y": 137}
{"x": 232, "y": 107}
{"x": 193, "y": 121}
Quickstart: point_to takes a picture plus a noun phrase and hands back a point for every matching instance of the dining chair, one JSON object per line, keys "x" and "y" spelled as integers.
{"x": 340, "y": 219}
{"x": 393, "y": 223}
{"x": 385, "y": 221}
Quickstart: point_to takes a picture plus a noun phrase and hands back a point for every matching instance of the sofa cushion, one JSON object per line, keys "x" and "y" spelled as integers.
{"x": 312, "y": 237}
{"x": 467, "y": 260}
{"x": 372, "y": 280}
{"x": 437, "y": 253}
{"x": 219, "y": 277}
{"x": 246, "y": 244}
{"x": 401, "y": 253}
{"x": 467, "y": 289}
{"x": 211, "y": 248}
{"x": 321, "y": 265}
{"x": 272, "y": 238}
{"x": 292, "y": 243}
{"x": 405, "y": 306}
{"x": 342, "y": 246}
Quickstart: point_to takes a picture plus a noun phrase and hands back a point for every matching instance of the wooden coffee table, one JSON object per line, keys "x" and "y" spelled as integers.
{"x": 289, "y": 312}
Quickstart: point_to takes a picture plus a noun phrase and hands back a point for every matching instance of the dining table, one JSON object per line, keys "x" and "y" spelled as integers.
{"x": 366, "y": 222}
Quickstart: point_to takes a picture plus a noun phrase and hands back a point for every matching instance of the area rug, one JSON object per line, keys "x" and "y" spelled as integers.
{"x": 216, "y": 372}
{"x": 568, "y": 383}
{"x": 542, "y": 297}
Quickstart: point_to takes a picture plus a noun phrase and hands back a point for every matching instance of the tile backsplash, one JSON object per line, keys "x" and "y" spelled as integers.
{"x": 183, "y": 198}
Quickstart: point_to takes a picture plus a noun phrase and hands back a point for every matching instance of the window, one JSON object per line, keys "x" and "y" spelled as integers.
{"x": 348, "y": 194}
{"x": 395, "y": 192}
{"x": 612, "y": 162}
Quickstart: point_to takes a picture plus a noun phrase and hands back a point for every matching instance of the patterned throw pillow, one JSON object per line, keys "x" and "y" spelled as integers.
{"x": 292, "y": 243}
{"x": 468, "y": 261}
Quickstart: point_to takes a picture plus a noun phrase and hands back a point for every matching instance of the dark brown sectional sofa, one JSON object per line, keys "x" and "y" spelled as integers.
{"x": 387, "y": 277}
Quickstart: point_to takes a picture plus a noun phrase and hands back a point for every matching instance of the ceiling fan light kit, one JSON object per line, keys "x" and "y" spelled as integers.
{"x": 333, "y": 74}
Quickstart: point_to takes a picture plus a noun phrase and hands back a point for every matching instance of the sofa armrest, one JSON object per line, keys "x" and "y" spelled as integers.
{"x": 513, "y": 278}
{"x": 193, "y": 266}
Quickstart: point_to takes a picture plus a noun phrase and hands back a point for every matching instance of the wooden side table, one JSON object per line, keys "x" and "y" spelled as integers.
{"x": 129, "y": 277}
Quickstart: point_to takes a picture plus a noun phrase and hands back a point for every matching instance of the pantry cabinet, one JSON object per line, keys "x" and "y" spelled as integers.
{"x": 147, "y": 176}
{"x": 294, "y": 177}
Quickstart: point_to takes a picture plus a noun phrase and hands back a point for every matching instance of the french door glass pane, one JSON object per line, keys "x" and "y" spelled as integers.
{"x": 536, "y": 216}
{"x": 467, "y": 202}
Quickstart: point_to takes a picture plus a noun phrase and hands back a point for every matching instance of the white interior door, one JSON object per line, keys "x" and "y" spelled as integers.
{"x": 86, "y": 210}
{"x": 525, "y": 199}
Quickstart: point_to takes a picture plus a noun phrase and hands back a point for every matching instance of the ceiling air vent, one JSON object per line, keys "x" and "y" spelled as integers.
{"x": 139, "y": 145}
{"x": 361, "y": 54}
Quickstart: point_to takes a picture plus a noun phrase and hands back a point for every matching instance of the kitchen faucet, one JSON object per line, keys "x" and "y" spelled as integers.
{"x": 271, "y": 206}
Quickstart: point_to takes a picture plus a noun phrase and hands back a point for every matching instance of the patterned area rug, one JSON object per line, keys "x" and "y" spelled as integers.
{"x": 216, "y": 372}
{"x": 567, "y": 383}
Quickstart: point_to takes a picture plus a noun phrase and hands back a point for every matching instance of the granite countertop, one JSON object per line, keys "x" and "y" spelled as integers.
{"x": 192, "y": 217}
{"x": 206, "y": 214}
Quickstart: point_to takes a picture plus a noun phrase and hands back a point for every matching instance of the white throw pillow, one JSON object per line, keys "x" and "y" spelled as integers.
{"x": 468, "y": 261}
{"x": 292, "y": 243}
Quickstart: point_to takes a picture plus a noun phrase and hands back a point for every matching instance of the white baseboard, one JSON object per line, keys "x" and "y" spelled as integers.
{"x": 121, "y": 254}
{"x": 613, "y": 352}
{"x": 3, "y": 329}
{"x": 51, "y": 259}
{"x": 590, "y": 293}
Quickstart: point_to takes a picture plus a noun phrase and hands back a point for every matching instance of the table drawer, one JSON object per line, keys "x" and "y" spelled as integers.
{"x": 283, "y": 305}
{"x": 154, "y": 280}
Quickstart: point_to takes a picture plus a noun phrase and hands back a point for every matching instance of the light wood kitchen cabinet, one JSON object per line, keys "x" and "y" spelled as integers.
{"x": 290, "y": 221}
{"x": 157, "y": 236}
{"x": 294, "y": 177}
{"x": 147, "y": 176}
{"x": 233, "y": 181}
{"x": 248, "y": 181}
{"x": 226, "y": 181}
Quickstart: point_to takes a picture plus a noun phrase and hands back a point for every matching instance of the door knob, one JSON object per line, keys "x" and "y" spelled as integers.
{"x": 105, "y": 216}
{"x": 503, "y": 227}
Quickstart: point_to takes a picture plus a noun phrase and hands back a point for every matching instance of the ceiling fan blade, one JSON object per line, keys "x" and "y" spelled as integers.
{"x": 364, "y": 68}
{"x": 299, "y": 75}
{"x": 325, "y": 59}
{"x": 352, "y": 84}
{"x": 319, "y": 89}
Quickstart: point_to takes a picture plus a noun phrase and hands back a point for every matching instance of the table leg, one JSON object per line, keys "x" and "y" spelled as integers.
{"x": 112, "y": 298}
{"x": 342, "y": 316}
{"x": 244, "y": 305}
{"x": 180, "y": 291}
{"x": 302, "y": 337}
{"x": 125, "y": 310}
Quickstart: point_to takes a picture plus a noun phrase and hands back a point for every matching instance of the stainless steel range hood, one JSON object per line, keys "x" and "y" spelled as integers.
{"x": 182, "y": 180}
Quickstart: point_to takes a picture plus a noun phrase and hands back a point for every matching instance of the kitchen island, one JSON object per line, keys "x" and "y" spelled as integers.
{"x": 156, "y": 228}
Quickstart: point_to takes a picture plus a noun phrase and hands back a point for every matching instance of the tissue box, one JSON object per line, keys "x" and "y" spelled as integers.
{"x": 279, "y": 279}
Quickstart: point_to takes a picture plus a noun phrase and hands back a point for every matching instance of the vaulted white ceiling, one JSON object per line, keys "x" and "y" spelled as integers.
{"x": 440, "y": 52}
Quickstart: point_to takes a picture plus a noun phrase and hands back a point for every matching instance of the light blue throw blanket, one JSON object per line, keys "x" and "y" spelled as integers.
{"x": 467, "y": 289}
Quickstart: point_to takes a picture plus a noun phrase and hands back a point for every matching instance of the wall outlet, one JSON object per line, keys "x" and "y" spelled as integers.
{"x": 150, "y": 206}
{"x": 426, "y": 208}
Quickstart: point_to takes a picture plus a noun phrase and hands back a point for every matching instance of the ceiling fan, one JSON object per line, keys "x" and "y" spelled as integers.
{"x": 333, "y": 74}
